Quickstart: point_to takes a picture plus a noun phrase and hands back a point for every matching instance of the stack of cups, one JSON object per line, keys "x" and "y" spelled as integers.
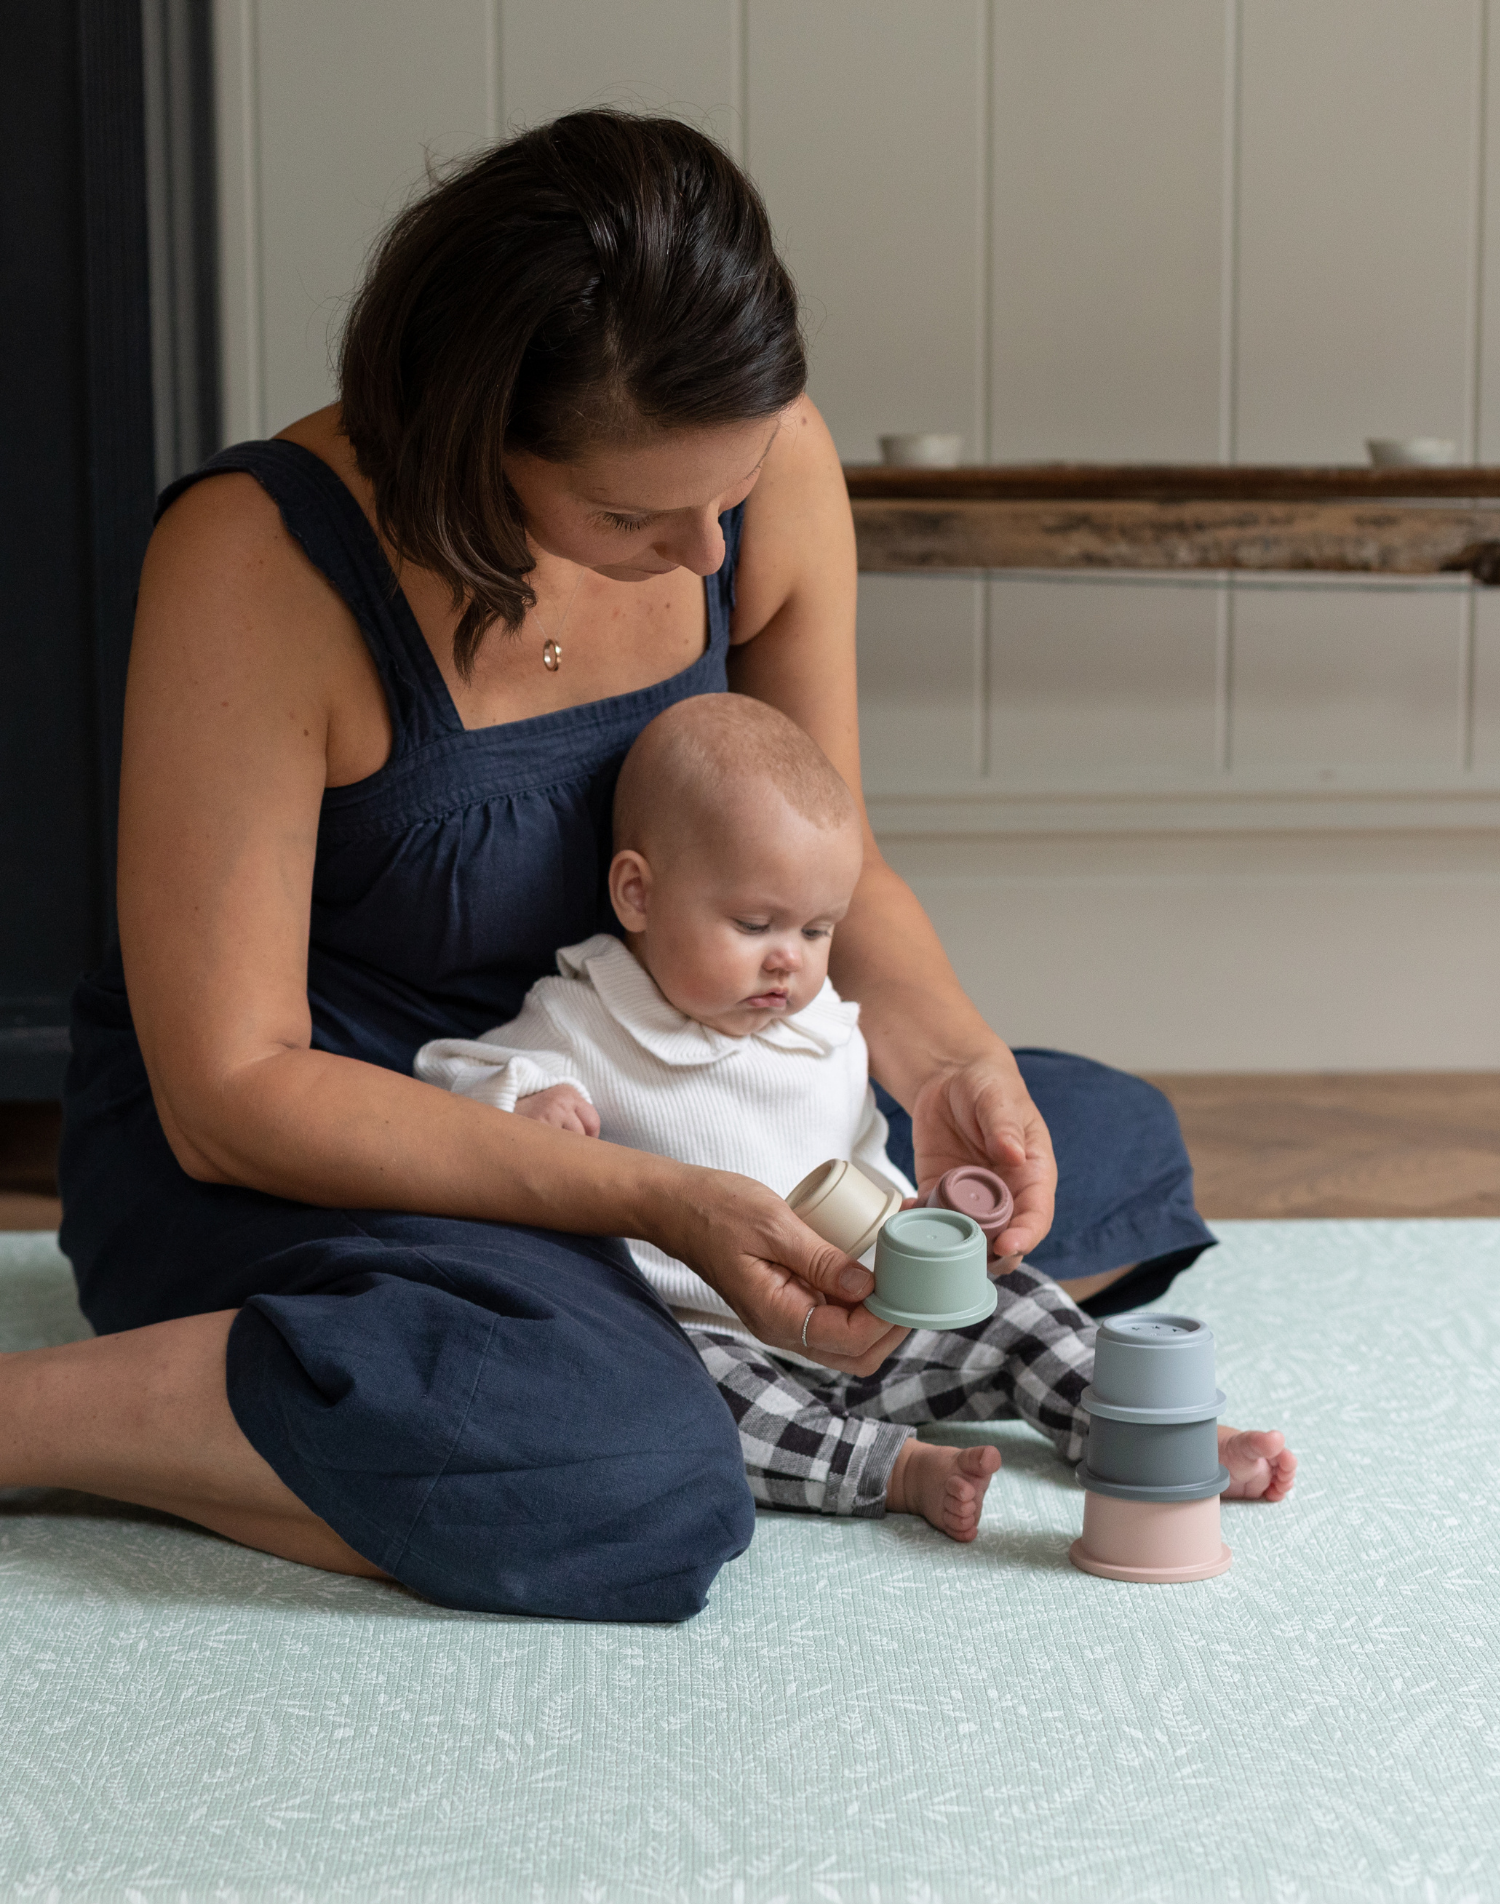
{"x": 1151, "y": 1468}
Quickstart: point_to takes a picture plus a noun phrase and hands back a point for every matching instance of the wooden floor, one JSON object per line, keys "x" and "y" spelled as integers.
{"x": 28, "y": 1166}
{"x": 1404, "y": 1143}
{"x": 1271, "y": 1145}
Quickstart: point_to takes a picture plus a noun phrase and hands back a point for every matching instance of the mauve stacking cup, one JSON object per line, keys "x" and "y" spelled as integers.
{"x": 1151, "y": 1467}
{"x": 976, "y": 1192}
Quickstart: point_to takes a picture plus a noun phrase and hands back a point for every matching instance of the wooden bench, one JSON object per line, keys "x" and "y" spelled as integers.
{"x": 1161, "y": 516}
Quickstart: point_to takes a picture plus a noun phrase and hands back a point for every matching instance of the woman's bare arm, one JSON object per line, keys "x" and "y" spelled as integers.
{"x": 794, "y": 629}
{"x": 242, "y": 662}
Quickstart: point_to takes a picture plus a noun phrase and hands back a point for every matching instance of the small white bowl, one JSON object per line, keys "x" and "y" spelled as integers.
{"x": 923, "y": 451}
{"x": 1411, "y": 452}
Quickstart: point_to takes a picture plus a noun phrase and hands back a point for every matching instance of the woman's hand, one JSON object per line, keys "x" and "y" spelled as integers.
{"x": 744, "y": 1241}
{"x": 982, "y": 1113}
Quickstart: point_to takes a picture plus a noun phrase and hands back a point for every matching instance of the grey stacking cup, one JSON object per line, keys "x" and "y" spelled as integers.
{"x": 1153, "y": 1411}
{"x": 1157, "y": 1362}
{"x": 1153, "y": 1454}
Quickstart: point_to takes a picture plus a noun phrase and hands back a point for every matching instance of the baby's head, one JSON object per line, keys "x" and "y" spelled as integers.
{"x": 737, "y": 851}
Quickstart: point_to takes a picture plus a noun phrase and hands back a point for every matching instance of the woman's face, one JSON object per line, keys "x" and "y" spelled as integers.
{"x": 646, "y": 508}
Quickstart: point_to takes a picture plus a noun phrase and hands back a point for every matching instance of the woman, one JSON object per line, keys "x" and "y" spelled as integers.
{"x": 385, "y": 669}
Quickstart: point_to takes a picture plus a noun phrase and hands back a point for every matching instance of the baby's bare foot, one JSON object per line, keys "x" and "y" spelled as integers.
{"x": 1261, "y": 1466}
{"x": 944, "y": 1485}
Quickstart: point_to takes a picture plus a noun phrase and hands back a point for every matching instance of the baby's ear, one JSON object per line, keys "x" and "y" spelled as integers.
{"x": 630, "y": 888}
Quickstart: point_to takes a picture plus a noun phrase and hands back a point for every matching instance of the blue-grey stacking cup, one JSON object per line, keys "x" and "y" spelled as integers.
{"x": 930, "y": 1271}
{"x": 1163, "y": 1364}
{"x": 1153, "y": 1454}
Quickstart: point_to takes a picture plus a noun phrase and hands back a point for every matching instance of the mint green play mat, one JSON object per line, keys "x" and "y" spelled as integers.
{"x": 866, "y": 1713}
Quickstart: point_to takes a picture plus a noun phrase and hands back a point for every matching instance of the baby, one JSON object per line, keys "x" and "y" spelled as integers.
{"x": 713, "y": 1035}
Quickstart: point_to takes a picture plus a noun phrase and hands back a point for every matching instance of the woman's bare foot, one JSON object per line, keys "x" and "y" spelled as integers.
{"x": 1261, "y": 1466}
{"x": 944, "y": 1485}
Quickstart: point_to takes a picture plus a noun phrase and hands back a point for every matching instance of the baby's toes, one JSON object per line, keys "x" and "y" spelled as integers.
{"x": 978, "y": 1464}
{"x": 963, "y": 1499}
{"x": 1283, "y": 1474}
{"x": 961, "y": 1503}
{"x": 1251, "y": 1458}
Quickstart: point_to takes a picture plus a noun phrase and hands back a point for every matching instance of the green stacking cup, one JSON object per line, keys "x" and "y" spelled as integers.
{"x": 930, "y": 1271}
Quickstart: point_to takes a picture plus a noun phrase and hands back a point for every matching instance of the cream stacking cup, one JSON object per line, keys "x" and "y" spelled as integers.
{"x": 840, "y": 1204}
{"x": 1151, "y": 1466}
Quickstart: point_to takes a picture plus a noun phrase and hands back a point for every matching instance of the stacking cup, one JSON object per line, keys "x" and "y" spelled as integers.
{"x": 1151, "y": 1469}
{"x": 1162, "y": 1364}
{"x": 1153, "y": 1541}
{"x": 1153, "y": 1454}
{"x": 930, "y": 1271}
{"x": 974, "y": 1192}
{"x": 840, "y": 1204}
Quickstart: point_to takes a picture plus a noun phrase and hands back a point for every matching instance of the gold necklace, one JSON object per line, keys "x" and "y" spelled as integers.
{"x": 551, "y": 649}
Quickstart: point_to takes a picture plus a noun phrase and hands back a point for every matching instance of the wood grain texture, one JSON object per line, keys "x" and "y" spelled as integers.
{"x": 1364, "y": 538}
{"x": 1374, "y": 1144}
{"x": 1166, "y": 482}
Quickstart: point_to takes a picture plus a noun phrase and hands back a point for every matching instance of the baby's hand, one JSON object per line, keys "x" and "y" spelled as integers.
{"x": 564, "y": 1107}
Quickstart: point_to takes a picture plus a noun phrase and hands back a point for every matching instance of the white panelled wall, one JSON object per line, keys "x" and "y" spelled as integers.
{"x": 1176, "y": 823}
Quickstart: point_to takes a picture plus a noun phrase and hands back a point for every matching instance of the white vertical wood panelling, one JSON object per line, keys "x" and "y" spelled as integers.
{"x": 666, "y": 56}
{"x": 1113, "y": 142}
{"x": 869, "y": 159}
{"x": 1487, "y": 315}
{"x": 1332, "y": 681}
{"x": 1133, "y": 229}
{"x": 1108, "y": 220}
{"x": 1229, "y": 256}
{"x": 1358, "y": 173}
{"x": 919, "y": 639}
{"x": 236, "y": 119}
{"x": 1097, "y": 682}
{"x": 1484, "y": 736}
{"x": 1241, "y": 953}
{"x": 401, "y": 84}
{"x": 494, "y": 110}
{"x": 864, "y": 137}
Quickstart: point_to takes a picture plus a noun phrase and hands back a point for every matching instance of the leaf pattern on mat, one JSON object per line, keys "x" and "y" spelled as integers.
{"x": 866, "y": 1714}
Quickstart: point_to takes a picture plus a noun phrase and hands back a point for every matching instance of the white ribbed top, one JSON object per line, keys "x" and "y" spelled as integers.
{"x": 771, "y": 1106}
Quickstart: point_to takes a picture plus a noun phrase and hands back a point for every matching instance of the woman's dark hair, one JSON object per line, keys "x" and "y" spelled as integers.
{"x": 589, "y": 281}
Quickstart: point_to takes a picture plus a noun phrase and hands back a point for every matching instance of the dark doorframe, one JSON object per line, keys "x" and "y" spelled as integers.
{"x": 84, "y": 218}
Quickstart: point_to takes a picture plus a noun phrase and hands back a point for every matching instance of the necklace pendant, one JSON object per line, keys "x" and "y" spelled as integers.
{"x": 551, "y": 655}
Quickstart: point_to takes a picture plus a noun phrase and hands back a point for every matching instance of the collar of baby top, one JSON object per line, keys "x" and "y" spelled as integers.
{"x": 630, "y": 996}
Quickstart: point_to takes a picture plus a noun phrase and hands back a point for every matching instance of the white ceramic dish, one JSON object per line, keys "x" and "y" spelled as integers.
{"x": 1411, "y": 452}
{"x": 922, "y": 451}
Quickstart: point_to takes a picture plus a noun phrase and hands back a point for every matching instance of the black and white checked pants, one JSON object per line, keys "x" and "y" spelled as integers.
{"x": 827, "y": 1441}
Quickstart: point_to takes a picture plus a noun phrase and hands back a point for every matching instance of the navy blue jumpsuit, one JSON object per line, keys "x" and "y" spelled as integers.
{"x": 504, "y": 1419}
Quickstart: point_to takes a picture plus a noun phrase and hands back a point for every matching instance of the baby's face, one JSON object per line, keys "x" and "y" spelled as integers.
{"x": 737, "y": 933}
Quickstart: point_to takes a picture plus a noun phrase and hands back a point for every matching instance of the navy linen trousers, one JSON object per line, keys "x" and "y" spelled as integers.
{"x": 505, "y": 1419}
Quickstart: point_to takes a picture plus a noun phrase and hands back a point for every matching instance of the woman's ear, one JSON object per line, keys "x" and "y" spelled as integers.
{"x": 630, "y": 889}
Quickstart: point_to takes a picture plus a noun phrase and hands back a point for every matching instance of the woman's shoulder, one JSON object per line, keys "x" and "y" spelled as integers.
{"x": 798, "y": 526}
{"x": 230, "y": 600}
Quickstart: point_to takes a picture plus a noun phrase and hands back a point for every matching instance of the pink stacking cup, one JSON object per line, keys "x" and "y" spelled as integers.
{"x": 1158, "y": 1541}
{"x": 976, "y": 1192}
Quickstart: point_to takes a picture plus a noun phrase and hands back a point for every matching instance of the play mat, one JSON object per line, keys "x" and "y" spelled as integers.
{"x": 866, "y": 1713}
